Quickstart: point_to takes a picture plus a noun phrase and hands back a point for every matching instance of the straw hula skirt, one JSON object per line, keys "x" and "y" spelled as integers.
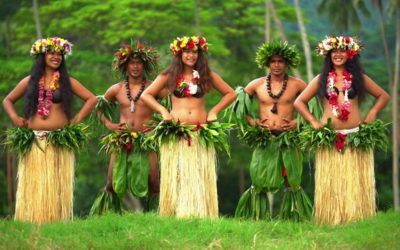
{"x": 45, "y": 184}
{"x": 188, "y": 180}
{"x": 344, "y": 185}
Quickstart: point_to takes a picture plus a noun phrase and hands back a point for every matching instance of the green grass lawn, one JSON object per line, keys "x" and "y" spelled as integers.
{"x": 148, "y": 231}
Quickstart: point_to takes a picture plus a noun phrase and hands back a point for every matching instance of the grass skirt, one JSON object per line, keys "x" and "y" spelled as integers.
{"x": 188, "y": 180}
{"x": 344, "y": 185}
{"x": 45, "y": 184}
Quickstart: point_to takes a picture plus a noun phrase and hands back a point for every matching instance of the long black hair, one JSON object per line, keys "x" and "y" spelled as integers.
{"x": 176, "y": 68}
{"x": 353, "y": 66}
{"x": 32, "y": 92}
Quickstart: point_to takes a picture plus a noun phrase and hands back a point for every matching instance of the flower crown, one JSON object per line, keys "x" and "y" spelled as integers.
{"x": 351, "y": 45}
{"x": 192, "y": 43}
{"x": 148, "y": 55}
{"x": 56, "y": 44}
{"x": 266, "y": 51}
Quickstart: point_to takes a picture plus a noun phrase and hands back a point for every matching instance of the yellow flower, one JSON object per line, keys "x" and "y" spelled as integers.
{"x": 134, "y": 135}
{"x": 195, "y": 39}
{"x": 184, "y": 42}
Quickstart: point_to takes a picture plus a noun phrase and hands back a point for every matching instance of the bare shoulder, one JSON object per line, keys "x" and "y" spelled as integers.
{"x": 297, "y": 82}
{"x": 256, "y": 82}
{"x": 253, "y": 85}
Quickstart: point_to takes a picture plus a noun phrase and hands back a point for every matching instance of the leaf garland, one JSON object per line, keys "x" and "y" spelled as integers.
{"x": 211, "y": 135}
{"x": 256, "y": 137}
{"x": 215, "y": 135}
{"x": 127, "y": 140}
{"x": 72, "y": 137}
{"x": 369, "y": 136}
{"x": 19, "y": 140}
{"x": 266, "y": 51}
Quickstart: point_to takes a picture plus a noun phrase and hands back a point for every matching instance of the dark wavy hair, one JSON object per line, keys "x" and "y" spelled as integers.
{"x": 176, "y": 68}
{"x": 353, "y": 66}
{"x": 32, "y": 92}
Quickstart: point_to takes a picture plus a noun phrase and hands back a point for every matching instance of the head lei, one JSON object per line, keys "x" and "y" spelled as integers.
{"x": 148, "y": 56}
{"x": 54, "y": 44}
{"x": 266, "y": 51}
{"x": 351, "y": 45}
{"x": 192, "y": 43}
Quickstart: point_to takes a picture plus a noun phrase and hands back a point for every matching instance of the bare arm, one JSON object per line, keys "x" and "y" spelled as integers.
{"x": 110, "y": 96}
{"x": 228, "y": 93}
{"x": 382, "y": 98}
{"x": 83, "y": 93}
{"x": 150, "y": 94}
{"x": 301, "y": 103}
{"x": 11, "y": 98}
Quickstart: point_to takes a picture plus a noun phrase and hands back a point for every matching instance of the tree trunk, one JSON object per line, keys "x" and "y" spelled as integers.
{"x": 197, "y": 17}
{"x": 378, "y": 5}
{"x": 267, "y": 21}
{"x": 306, "y": 45}
{"x": 282, "y": 33}
{"x": 395, "y": 113}
{"x": 37, "y": 20}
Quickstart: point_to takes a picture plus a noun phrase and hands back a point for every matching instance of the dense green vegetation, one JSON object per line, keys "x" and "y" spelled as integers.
{"x": 234, "y": 28}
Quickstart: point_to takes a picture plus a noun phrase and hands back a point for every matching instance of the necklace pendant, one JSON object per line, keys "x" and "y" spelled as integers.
{"x": 132, "y": 106}
{"x": 274, "y": 109}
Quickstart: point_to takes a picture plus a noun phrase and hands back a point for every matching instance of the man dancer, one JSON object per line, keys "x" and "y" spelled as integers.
{"x": 134, "y": 64}
{"x": 276, "y": 160}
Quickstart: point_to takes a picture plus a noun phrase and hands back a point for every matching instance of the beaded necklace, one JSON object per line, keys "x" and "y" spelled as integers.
{"x": 136, "y": 98}
{"x": 274, "y": 109}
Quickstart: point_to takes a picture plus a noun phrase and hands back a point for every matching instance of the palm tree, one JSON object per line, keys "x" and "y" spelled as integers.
{"x": 394, "y": 7}
{"x": 343, "y": 13}
{"x": 37, "y": 20}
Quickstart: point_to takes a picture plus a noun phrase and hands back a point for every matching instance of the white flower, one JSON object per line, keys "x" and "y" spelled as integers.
{"x": 196, "y": 74}
{"x": 192, "y": 88}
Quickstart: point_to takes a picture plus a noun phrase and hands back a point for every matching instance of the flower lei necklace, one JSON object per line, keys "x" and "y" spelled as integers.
{"x": 344, "y": 108}
{"x": 44, "y": 105}
{"x": 136, "y": 98}
{"x": 189, "y": 88}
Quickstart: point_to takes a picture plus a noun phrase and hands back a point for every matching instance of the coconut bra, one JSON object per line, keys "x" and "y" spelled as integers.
{"x": 352, "y": 93}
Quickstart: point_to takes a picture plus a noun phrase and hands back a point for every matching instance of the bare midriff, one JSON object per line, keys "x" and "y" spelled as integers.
{"x": 137, "y": 120}
{"x": 189, "y": 110}
{"x": 353, "y": 121}
{"x": 275, "y": 121}
{"x": 56, "y": 119}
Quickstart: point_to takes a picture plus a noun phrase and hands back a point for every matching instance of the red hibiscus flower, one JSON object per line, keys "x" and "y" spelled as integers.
{"x": 198, "y": 127}
{"x": 347, "y": 39}
{"x": 201, "y": 41}
{"x": 347, "y": 75}
{"x": 344, "y": 114}
{"x": 340, "y": 141}
{"x": 333, "y": 101}
{"x": 351, "y": 53}
{"x": 190, "y": 45}
{"x": 186, "y": 92}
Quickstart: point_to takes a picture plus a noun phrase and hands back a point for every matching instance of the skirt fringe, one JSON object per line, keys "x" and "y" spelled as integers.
{"x": 344, "y": 185}
{"x": 188, "y": 185}
{"x": 45, "y": 184}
